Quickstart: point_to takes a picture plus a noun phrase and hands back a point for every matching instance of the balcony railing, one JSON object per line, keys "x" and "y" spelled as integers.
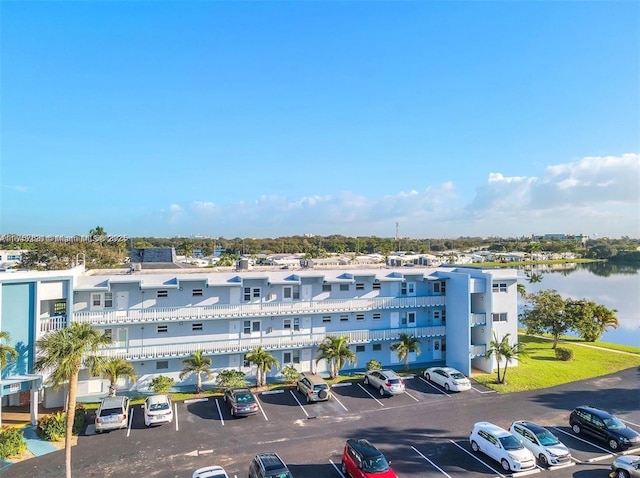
{"x": 478, "y": 350}
{"x": 276, "y": 343}
{"x": 478, "y": 319}
{"x": 49, "y": 324}
{"x": 129, "y": 316}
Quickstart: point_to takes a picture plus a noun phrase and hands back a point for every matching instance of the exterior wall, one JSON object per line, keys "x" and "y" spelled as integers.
{"x": 18, "y": 318}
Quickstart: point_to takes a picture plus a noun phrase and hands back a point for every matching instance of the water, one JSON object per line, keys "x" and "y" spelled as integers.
{"x": 614, "y": 286}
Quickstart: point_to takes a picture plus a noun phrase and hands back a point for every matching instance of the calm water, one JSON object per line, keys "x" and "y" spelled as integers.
{"x": 614, "y": 286}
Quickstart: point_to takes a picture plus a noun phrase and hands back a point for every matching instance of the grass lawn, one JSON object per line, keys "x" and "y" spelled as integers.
{"x": 541, "y": 369}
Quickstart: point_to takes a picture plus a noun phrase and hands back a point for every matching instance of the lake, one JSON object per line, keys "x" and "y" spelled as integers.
{"x": 616, "y": 286}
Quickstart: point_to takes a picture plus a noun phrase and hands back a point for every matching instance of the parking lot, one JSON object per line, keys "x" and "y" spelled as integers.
{"x": 423, "y": 432}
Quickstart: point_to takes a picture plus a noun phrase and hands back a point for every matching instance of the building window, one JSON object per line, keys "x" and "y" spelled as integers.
{"x": 377, "y": 347}
{"x": 247, "y": 294}
{"x": 108, "y": 300}
{"x": 499, "y": 317}
{"x": 197, "y": 327}
{"x": 249, "y": 326}
{"x": 291, "y": 357}
{"x": 403, "y": 288}
{"x": 196, "y": 293}
{"x": 296, "y": 324}
{"x": 256, "y": 293}
{"x": 344, "y": 287}
{"x": 344, "y": 318}
{"x": 359, "y": 316}
{"x": 288, "y": 293}
{"x": 411, "y": 317}
{"x": 359, "y": 348}
{"x": 286, "y": 324}
{"x": 60, "y": 307}
{"x": 500, "y": 287}
{"x": 109, "y": 334}
{"x": 246, "y": 362}
{"x": 444, "y": 316}
{"x": 162, "y": 365}
{"x": 161, "y": 294}
{"x": 163, "y": 329}
{"x": 376, "y": 286}
{"x": 96, "y": 300}
{"x": 326, "y": 319}
{"x": 377, "y": 316}
{"x": 326, "y": 287}
{"x": 359, "y": 286}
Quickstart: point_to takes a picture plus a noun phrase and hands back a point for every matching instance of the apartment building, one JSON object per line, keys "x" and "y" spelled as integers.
{"x": 158, "y": 318}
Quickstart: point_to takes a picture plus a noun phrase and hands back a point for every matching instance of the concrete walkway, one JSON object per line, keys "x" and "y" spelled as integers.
{"x": 35, "y": 444}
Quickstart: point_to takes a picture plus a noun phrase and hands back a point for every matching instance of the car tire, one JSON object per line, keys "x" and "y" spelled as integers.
{"x": 427, "y": 376}
{"x": 446, "y": 387}
{"x": 543, "y": 460}
{"x": 576, "y": 429}
{"x": 381, "y": 390}
{"x": 98, "y": 432}
{"x": 622, "y": 473}
{"x": 613, "y": 444}
{"x": 366, "y": 380}
{"x": 505, "y": 465}
{"x": 474, "y": 446}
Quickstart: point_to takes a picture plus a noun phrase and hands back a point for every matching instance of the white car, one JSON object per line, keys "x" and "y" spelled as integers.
{"x": 387, "y": 382}
{"x": 449, "y": 378}
{"x": 157, "y": 410}
{"x": 502, "y": 446}
{"x": 210, "y": 472}
{"x": 542, "y": 443}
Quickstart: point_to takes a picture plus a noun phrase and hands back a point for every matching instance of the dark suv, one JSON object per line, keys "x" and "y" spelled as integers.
{"x": 604, "y": 426}
{"x": 360, "y": 459}
{"x": 268, "y": 465}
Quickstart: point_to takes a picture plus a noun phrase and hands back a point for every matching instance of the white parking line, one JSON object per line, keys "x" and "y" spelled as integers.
{"x": 476, "y": 458}
{"x": 367, "y": 392}
{"x": 432, "y": 463}
{"x": 298, "y": 402}
{"x": 337, "y": 468}
{"x": 433, "y": 386}
{"x": 130, "y": 422}
{"x": 262, "y": 410}
{"x": 585, "y": 441}
{"x": 219, "y": 412}
{"x": 483, "y": 391}
{"x": 407, "y": 393}
{"x": 630, "y": 423}
{"x": 339, "y": 402}
{"x": 175, "y": 408}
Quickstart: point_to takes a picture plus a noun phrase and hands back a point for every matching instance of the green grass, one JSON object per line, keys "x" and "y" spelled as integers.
{"x": 541, "y": 369}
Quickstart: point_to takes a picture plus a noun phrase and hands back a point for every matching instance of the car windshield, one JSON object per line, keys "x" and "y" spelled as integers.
{"x": 457, "y": 376}
{"x": 244, "y": 398}
{"x": 510, "y": 442}
{"x": 154, "y": 407}
{"x": 546, "y": 438}
{"x": 614, "y": 423}
{"x": 375, "y": 465}
{"x": 286, "y": 474}
{"x": 323, "y": 386}
{"x": 394, "y": 381}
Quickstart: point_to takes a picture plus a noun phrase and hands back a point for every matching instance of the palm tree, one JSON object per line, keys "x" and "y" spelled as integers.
{"x": 502, "y": 349}
{"x": 265, "y": 362}
{"x": 408, "y": 343}
{"x": 7, "y": 353}
{"x": 336, "y": 351}
{"x": 198, "y": 364}
{"x": 522, "y": 290}
{"x": 112, "y": 369}
{"x": 62, "y": 353}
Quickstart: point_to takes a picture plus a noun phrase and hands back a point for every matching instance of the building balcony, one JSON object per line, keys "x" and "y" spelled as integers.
{"x": 478, "y": 320}
{"x": 478, "y": 351}
{"x": 261, "y": 309}
{"x": 50, "y": 324}
{"x": 237, "y": 346}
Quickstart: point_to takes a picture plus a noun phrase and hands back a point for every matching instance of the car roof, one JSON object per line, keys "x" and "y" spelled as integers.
{"x": 490, "y": 427}
{"x": 596, "y": 411}
{"x": 364, "y": 447}
{"x": 112, "y": 402}
{"x": 210, "y": 472}
{"x": 271, "y": 461}
{"x": 158, "y": 399}
{"x": 449, "y": 369}
{"x": 388, "y": 372}
{"x": 241, "y": 390}
{"x": 531, "y": 426}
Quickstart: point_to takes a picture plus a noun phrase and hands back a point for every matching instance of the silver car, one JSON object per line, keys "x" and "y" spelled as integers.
{"x": 112, "y": 414}
{"x": 387, "y": 382}
{"x": 625, "y": 466}
{"x": 544, "y": 445}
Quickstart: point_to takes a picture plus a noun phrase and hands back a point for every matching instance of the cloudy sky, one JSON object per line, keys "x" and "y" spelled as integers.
{"x": 264, "y": 119}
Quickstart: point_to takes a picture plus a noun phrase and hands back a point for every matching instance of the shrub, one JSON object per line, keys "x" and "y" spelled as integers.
{"x": 161, "y": 384}
{"x": 231, "y": 379}
{"x": 54, "y": 427}
{"x": 79, "y": 420}
{"x": 374, "y": 365}
{"x": 11, "y": 442}
{"x": 564, "y": 354}
{"x": 290, "y": 373}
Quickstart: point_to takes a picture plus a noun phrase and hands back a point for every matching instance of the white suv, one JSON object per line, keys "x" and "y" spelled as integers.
{"x": 387, "y": 382}
{"x": 502, "y": 446}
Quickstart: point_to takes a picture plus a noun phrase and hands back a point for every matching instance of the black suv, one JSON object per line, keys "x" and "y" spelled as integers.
{"x": 268, "y": 465}
{"x": 604, "y": 426}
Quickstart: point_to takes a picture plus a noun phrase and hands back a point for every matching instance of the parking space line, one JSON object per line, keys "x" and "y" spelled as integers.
{"x": 175, "y": 408}
{"x": 433, "y": 386}
{"x": 483, "y": 391}
{"x": 262, "y": 410}
{"x": 337, "y": 468}
{"x": 630, "y": 423}
{"x": 584, "y": 441}
{"x": 130, "y": 421}
{"x": 432, "y": 463}
{"x": 219, "y": 412}
{"x": 407, "y": 393}
{"x": 367, "y": 392}
{"x": 476, "y": 458}
{"x": 298, "y": 402}
{"x": 333, "y": 397}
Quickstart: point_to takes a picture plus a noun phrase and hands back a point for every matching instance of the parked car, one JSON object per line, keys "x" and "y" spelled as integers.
{"x": 313, "y": 387}
{"x": 387, "y": 382}
{"x": 157, "y": 410}
{"x": 112, "y": 414}
{"x": 448, "y": 378}
{"x": 213, "y": 471}
{"x": 502, "y": 446}
{"x": 542, "y": 443}
{"x": 241, "y": 402}
{"x": 625, "y": 466}
{"x": 360, "y": 459}
{"x": 268, "y": 465}
{"x": 603, "y": 426}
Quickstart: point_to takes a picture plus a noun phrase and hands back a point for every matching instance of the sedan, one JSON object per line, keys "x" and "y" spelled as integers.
{"x": 157, "y": 410}
{"x": 448, "y": 378}
{"x": 627, "y": 466}
{"x": 210, "y": 472}
{"x": 241, "y": 402}
{"x": 544, "y": 445}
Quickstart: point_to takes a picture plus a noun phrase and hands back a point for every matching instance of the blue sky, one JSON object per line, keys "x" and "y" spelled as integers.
{"x": 264, "y": 119}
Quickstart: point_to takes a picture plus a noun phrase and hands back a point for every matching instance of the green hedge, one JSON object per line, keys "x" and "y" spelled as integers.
{"x": 53, "y": 427}
{"x": 11, "y": 443}
{"x": 564, "y": 354}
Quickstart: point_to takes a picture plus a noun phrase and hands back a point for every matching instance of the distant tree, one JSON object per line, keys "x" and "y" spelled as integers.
{"x": 544, "y": 312}
{"x": 161, "y": 384}
{"x": 264, "y": 361}
{"x": 522, "y": 290}
{"x": 589, "y": 319}
{"x": 199, "y": 365}
{"x": 98, "y": 231}
{"x": 335, "y": 350}
{"x": 7, "y": 353}
{"x": 231, "y": 379}
{"x": 408, "y": 343}
{"x": 503, "y": 350}
{"x": 534, "y": 277}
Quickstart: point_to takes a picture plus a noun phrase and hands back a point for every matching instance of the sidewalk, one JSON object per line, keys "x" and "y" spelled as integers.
{"x": 20, "y": 417}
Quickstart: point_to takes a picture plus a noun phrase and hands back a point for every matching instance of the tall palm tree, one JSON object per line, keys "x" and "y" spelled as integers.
{"x": 112, "y": 369}
{"x": 265, "y": 363}
{"x": 198, "y": 364}
{"x": 7, "y": 353}
{"x": 503, "y": 350}
{"x": 62, "y": 353}
{"x": 336, "y": 351}
{"x": 408, "y": 343}
{"x": 522, "y": 290}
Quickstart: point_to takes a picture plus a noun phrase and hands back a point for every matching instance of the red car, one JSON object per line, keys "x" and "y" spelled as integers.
{"x": 360, "y": 459}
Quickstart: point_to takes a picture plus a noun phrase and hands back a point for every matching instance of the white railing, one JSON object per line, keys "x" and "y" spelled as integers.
{"x": 246, "y": 345}
{"x": 253, "y": 310}
{"x": 49, "y": 324}
{"x": 478, "y": 350}
{"x": 478, "y": 319}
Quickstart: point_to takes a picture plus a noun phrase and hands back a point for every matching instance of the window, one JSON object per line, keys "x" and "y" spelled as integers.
{"x": 377, "y": 347}
{"x": 326, "y": 319}
{"x": 359, "y": 348}
{"x": 501, "y": 317}
{"x": 163, "y": 329}
{"x": 162, "y": 364}
{"x": 197, "y": 327}
{"x": 359, "y": 286}
{"x": 286, "y": 324}
{"x": 344, "y": 287}
{"x": 256, "y": 293}
{"x": 344, "y": 318}
{"x": 109, "y": 334}
{"x": 96, "y": 300}
{"x": 196, "y": 293}
{"x": 377, "y": 316}
{"x": 60, "y": 307}
{"x": 288, "y": 293}
{"x": 249, "y": 326}
{"x": 296, "y": 324}
{"x": 411, "y": 317}
{"x": 247, "y": 294}
{"x": 359, "y": 316}
{"x": 291, "y": 357}
{"x": 162, "y": 294}
{"x": 108, "y": 300}
{"x": 403, "y": 288}
{"x": 246, "y": 362}
{"x": 326, "y": 287}
{"x": 439, "y": 287}
{"x": 376, "y": 286}
{"x": 499, "y": 287}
